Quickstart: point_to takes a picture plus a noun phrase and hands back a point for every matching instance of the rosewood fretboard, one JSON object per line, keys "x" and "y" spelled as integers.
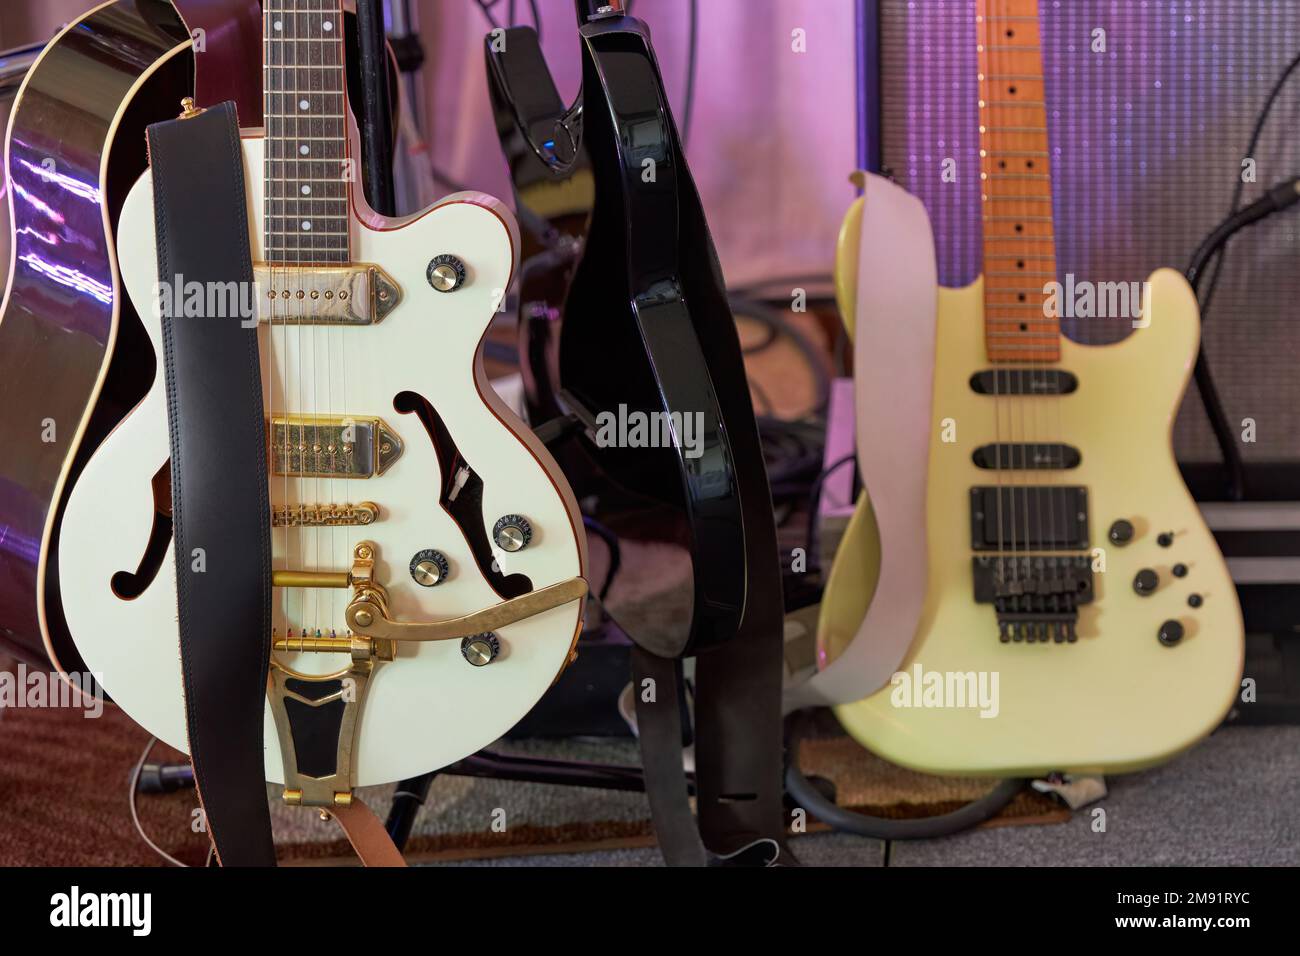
{"x": 1016, "y": 185}
{"x": 308, "y": 171}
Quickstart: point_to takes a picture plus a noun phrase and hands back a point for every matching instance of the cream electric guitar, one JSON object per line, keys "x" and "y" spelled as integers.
{"x": 1072, "y": 584}
{"x": 422, "y": 541}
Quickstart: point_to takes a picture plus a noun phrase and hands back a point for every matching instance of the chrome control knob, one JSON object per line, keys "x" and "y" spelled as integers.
{"x": 446, "y": 273}
{"x": 429, "y": 568}
{"x": 512, "y": 533}
{"x": 481, "y": 649}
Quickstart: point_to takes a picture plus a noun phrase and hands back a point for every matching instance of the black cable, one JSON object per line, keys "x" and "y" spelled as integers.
{"x": 811, "y": 799}
{"x": 692, "y": 56}
{"x": 1214, "y": 410}
{"x": 615, "y": 552}
{"x": 1260, "y": 120}
{"x": 1279, "y": 197}
{"x": 814, "y": 502}
{"x": 486, "y": 6}
{"x": 768, "y": 315}
{"x": 537, "y": 19}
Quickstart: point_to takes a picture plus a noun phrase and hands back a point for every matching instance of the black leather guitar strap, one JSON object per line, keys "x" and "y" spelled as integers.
{"x": 218, "y": 476}
{"x": 659, "y": 732}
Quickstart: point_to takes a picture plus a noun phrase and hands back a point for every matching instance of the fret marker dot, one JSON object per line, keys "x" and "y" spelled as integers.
{"x": 304, "y": 149}
{"x": 327, "y": 26}
{"x": 306, "y": 190}
{"x": 306, "y": 224}
{"x": 279, "y": 25}
{"x": 304, "y": 104}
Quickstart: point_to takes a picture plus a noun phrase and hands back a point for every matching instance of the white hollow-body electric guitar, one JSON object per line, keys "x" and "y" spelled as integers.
{"x": 404, "y": 495}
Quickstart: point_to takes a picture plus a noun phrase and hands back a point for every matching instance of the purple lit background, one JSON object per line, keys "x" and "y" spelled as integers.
{"x": 1147, "y": 143}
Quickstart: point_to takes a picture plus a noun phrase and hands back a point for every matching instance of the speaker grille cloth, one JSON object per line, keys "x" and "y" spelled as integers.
{"x": 1147, "y": 142}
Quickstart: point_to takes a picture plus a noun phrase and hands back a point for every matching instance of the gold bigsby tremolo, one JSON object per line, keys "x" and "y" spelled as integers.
{"x": 373, "y": 641}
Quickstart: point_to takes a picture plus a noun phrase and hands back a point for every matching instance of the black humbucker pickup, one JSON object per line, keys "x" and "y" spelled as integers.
{"x": 1029, "y": 518}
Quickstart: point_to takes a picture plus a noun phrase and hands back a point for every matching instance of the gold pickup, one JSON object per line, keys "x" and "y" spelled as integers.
{"x": 357, "y": 294}
{"x": 332, "y": 447}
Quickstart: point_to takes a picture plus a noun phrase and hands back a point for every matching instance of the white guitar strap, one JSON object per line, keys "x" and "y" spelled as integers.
{"x": 894, "y": 352}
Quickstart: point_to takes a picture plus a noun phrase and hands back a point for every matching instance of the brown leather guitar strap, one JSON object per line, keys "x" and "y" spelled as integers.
{"x": 367, "y": 835}
{"x": 220, "y": 507}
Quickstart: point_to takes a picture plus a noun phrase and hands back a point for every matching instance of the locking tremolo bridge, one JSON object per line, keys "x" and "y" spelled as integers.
{"x": 311, "y": 709}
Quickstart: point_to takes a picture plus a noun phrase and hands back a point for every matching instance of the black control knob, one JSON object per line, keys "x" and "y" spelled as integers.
{"x": 1145, "y": 582}
{"x": 1180, "y": 570}
{"x": 1171, "y": 632}
{"x": 1165, "y": 539}
{"x": 481, "y": 649}
{"x": 512, "y": 533}
{"x": 446, "y": 273}
{"x": 429, "y": 568}
{"x": 1121, "y": 532}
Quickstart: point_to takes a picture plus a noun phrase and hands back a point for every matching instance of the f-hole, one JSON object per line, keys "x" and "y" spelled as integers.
{"x": 461, "y": 495}
{"x": 129, "y": 585}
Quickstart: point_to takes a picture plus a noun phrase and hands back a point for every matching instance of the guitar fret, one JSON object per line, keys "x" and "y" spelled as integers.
{"x": 303, "y": 63}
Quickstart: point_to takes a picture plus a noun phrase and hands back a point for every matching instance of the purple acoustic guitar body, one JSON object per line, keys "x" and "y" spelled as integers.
{"x": 73, "y": 356}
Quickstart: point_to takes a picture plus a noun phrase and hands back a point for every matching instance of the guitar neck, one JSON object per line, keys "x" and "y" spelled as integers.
{"x": 1016, "y": 185}
{"x": 308, "y": 170}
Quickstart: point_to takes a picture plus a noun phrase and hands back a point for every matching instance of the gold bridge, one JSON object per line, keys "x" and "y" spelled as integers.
{"x": 357, "y": 294}
{"x": 325, "y": 516}
{"x": 372, "y": 642}
{"x": 332, "y": 446}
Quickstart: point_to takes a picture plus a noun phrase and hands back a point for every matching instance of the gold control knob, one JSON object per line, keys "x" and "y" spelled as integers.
{"x": 429, "y": 568}
{"x": 481, "y": 649}
{"x": 446, "y": 273}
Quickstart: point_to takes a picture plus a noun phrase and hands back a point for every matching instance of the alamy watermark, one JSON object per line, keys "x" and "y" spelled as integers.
{"x": 178, "y": 298}
{"x": 636, "y": 429}
{"x": 1081, "y": 299}
{"x": 39, "y": 689}
{"x": 946, "y": 689}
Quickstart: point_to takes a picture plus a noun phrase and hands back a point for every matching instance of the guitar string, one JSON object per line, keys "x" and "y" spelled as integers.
{"x": 336, "y": 123}
{"x": 1057, "y": 499}
{"x": 1021, "y": 357}
{"x": 325, "y": 113}
{"x": 313, "y": 53}
{"x": 1005, "y": 503}
{"x": 272, "y": 79}
{"x": 345, "y": 191}
{"x": 306, "y": 594}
